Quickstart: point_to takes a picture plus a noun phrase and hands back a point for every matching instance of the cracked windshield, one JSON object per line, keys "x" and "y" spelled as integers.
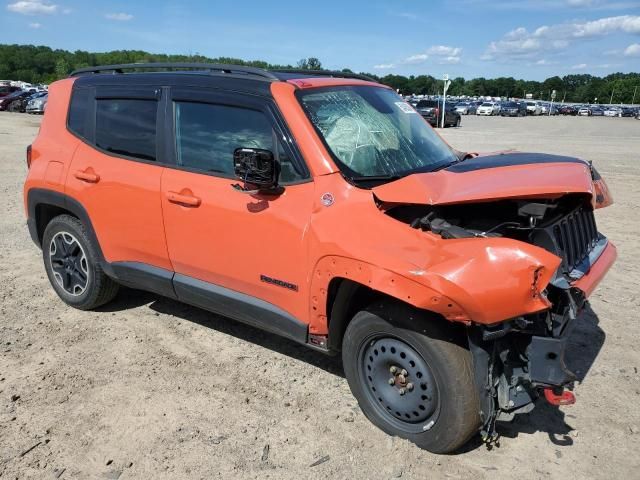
{"x": 372, "y": 132}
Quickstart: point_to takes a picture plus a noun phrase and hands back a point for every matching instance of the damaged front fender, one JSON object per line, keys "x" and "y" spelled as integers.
{"x": 493, "y": 279}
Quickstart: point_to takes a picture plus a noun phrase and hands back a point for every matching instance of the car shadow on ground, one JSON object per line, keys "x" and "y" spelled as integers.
{"x": 128, "y": 298}
{"x": 585, "y": 343}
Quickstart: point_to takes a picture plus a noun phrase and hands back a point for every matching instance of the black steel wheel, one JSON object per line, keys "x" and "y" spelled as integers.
{"x": 399, "y": 382}
{"x": 412, "y": 376}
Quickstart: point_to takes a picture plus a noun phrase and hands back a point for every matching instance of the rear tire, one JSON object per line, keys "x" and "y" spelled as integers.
{"x": 440, "y": 412}
{"x": 72, "y": 265}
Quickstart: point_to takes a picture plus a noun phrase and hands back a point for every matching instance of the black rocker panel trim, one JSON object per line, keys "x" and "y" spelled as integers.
{"x": 144, "y": 277}
{"x": 509, "y": 160}
{"x": 239, "y": 306}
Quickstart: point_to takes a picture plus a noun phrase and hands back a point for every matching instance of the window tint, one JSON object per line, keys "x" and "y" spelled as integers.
{"x": 78, "y": 111}
{"x": 207, "y": 135}
{"x": 127, "y": 127}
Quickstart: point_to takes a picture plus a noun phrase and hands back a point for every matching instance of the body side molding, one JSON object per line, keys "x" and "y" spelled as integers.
{"x": 239, "y": 306}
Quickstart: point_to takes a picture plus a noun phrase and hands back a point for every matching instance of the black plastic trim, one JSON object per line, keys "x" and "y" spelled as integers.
{"x": 239, "y": 306}
{"x": 210, "y": 67}
{"x": 144, "y": 277}
{"x": 41, "y": 196}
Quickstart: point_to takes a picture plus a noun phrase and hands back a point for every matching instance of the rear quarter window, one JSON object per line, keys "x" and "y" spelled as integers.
{"x": 78, "y": 110}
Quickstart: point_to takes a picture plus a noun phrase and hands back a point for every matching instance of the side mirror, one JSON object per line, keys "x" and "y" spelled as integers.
{"x": 257, "y": 169}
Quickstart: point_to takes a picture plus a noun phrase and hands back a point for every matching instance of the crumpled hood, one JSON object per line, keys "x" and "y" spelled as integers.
{"x": 492, "y": 177}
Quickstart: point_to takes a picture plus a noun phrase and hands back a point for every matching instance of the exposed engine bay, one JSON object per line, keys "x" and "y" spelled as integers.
{"x": 521, "y": 359}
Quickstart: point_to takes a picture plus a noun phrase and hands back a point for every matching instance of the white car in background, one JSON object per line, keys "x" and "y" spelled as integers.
{"x": 584, "y": 112}
{"x": 534, "y": 108}
{"x": 488, "y": 108}
{"x": 613, "y": 112}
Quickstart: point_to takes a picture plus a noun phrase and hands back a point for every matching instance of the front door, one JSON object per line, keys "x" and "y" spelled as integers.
{"x": 252, "y": 245}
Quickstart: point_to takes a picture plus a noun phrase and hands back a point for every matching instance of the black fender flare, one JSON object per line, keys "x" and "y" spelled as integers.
{"x": 37, "y": 197}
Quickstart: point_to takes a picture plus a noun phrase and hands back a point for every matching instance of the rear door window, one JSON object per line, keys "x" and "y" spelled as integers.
{"x": 126, "y": 126}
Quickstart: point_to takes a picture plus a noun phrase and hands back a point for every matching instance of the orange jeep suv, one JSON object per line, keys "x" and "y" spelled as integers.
{"x": 322, "y": 207}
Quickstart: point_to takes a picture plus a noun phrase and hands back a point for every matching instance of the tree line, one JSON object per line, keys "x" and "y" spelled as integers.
{"x": 40, "y": 64}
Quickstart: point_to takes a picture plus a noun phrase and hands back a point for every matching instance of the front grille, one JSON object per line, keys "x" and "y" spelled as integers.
{"x": 575, "y": 235}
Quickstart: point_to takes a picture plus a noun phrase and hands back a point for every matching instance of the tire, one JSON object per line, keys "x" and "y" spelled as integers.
{"x": 440, "y": 412}
{"x": 458, "y": 122}
{"x": 71, "y": 262}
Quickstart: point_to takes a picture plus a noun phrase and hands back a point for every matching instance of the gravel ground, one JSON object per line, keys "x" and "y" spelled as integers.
{"x": 151, "y": 388}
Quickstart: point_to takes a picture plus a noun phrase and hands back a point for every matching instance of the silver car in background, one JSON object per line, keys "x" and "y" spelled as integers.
{"x": 37, "y": 105}
{"x": 466, "y": 108}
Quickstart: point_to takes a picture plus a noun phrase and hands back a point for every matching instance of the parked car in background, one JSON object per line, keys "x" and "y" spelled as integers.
{"x": 13, "y": 101}
{"x": 584, "y": 111}
{"x": 612, "y": 112}
{"x": 7, "y": 90}
{"x": 431, "y": 111}
{"x": 21, "y": 104}
{"x": 466, "y": 108}
{"x": 513, "y": 109}
{"x": 597, "y": 111}
{"x": 488, "y": 108}
{"x": 568, "y": 110}
{"x": 628, "y": 112}
{"x": 38, "y": 104}
{"x": 533, "y": 108}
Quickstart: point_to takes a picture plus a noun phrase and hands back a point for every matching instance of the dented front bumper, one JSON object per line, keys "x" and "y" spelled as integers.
{"x": 517, "y": 360}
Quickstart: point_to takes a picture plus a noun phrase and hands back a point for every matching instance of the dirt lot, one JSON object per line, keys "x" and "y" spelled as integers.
{"x": 150, "y": 388}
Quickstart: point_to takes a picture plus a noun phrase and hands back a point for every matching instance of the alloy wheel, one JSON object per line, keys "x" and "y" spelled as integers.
{"x": 69, "y": 264}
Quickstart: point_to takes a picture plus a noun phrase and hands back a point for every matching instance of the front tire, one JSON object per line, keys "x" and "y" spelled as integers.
{"x": 432, "y": 400}
{"x": 71, "y": 263}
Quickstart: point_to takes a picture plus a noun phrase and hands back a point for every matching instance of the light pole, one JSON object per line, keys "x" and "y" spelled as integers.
{"x": 633, "y": 102}
{"x": 447, "y": 82}
{"x": 611, "y": 99}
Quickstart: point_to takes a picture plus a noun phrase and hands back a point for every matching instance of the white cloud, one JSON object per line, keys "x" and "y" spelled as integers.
{"x": 450, "y": 60}
{"x": 407, "y": 15}
{"x": 36, "y": 7}
{"x": 580, "y": 66}
{"x": 632, "y": 50}
{"x": 418, "y": 58}
{"x": 384, "y": 66}
{"x": 582, "y": 3}
{"x": 120, "y": 17}
{"x": 521, "y": 43}
{"x": 35, "y": 25}
{"x": 604, "y": 26}
{"x": 444, "y": 50}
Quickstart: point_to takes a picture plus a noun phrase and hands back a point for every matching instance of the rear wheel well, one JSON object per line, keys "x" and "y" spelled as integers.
{"x": 346, "y": 298}
{"x": 45, "y": 213}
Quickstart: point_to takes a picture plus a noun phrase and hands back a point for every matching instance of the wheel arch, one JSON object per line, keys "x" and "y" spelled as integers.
{"x": 347, "y": 297}
{"x": 342, "y": 286}
{"x": 44, "y": 205}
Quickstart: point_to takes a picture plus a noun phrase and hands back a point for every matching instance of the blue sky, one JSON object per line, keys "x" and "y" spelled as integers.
{"x": 531, "y": 39}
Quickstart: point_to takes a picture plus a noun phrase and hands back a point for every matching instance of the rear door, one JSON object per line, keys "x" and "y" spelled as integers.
{"x": 115, "y": 172}
{"x": 217, "y": 236}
